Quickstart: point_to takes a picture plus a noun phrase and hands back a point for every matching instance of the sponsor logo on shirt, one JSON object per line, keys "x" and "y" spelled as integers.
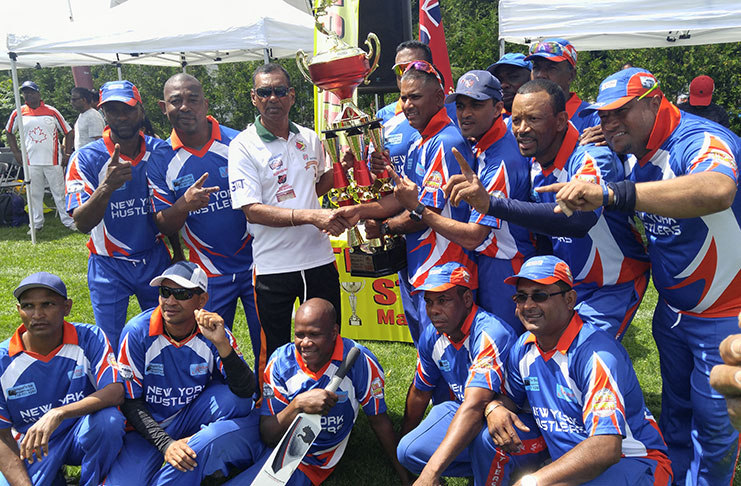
{"x": 275, "y": 162}
{"x": 267, "y": 391}
{"x": 78, "y": 372}
{"x": 223, "y": 172}
{"x": 605, "y": 403}
{"x": 394, "y": 138}
{"x": 21, "y": 391}
{"x": 484, "y": 364}
{"x": 444, "y": 365}
{"x": 341, "y": 396}
{"x": 198, "y": 369}
{"x": 282, "y": 179}
{"x": 285, "y": 193}
{"x": 531, "y": 383}
{"x": 183, "y": 181}
{"x": 155, "y": 369}
{"x": 565, "y": 393}
{"x": 75, "y": 186}
{"x": 126, "y": 372}
{"x": 377, "y": 388}
{"x": 434, "y": 181}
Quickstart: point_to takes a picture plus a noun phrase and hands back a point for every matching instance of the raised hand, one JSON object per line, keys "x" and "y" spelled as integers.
{"x": 118, "y": 172}
{"x": 379, "y": 161}
{"x": 211, "y": 325}
{"x": 197, "y": 196}
{"x": 406, "y": 191}
{"x": 466, "y": 186}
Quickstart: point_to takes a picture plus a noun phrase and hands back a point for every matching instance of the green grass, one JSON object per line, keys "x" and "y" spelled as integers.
{"x": 62, "y": 252}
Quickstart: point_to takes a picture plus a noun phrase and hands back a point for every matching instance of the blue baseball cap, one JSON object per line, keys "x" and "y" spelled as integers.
{"x": 41, "y": 280}
{"x": 546, "y": 270}
{"x": 123, "y": 91}
{"x": 186, "y": 274}
{"x": 479, "y": 85}
{"x": 554, "y": 49}
{"x": 513, "y": 59}
{"x": 621, "y": 87}
{"x": 443, "y": 277}
{"x": 29, "y": 85}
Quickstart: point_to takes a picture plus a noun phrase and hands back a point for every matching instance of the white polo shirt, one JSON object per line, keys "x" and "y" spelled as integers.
{"x": 271, "y": 170}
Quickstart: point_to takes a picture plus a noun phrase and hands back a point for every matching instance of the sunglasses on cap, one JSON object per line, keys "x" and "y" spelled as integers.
{"x": 538, "y": 297}
{"x": 280, "y": 91}
{"x": 425, "y": 67}
{"x": 179, "y": 294}
{"x": 553, "y": 47}
{"x": 656, "y": 85}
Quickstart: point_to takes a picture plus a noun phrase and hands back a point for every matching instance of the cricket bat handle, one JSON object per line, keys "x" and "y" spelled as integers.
{"x": 347, "y": 363}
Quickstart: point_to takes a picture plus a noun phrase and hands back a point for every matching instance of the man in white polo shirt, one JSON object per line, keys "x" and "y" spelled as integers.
{"x": 276, "y": 174}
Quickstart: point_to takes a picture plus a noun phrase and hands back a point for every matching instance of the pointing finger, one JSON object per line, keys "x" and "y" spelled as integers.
{"x": 116, "y": 154}
{"x": 201, "y": 180}
{"x": 211, "y": 190}
{"x": 394, "y": 176}
{"x": 465, "y": 168}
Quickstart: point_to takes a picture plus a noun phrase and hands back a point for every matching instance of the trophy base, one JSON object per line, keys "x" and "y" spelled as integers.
{"x": 379, "y": 264}
{"x": 355, "y": 321}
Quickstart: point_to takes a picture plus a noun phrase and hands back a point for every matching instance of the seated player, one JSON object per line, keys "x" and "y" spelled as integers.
{"x": 182, "y": 371}
{"x": 58, "y": 392}
{"x": 466, "y": 347}
{"x": 295, "y": 378}
{"x": 582, "y": 388}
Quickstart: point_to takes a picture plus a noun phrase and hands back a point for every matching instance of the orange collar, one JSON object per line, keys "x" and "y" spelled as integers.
{"x": 177, "y": 144}
{"x": 465, "y": 328}
{"x": 564, "y": 152}
{"x": 564, "y": 342}
{"x": 572, "y": 104}
{"x": 157, "y": 327}
{"x": 495, "y": 133}
{"x": 69, "y": 336}
{"x": 439, "y": 121}
{"x": 337, "y": 355}
{"x": 110, "y": 146}
{"x": 667, "y": 119}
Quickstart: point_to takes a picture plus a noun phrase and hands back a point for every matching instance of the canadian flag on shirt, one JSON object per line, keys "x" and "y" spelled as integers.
{"x": 432, "y": 33}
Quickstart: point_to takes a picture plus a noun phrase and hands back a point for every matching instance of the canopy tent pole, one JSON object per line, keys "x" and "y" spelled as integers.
{"x": 266, "y": 56}
{"x": 501, "y": 48}
{"x": 118, "y": 68}
{"x": 22, "y": 136}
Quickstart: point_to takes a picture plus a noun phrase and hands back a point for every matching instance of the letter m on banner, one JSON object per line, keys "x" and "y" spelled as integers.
{"x": 432, "y": 33}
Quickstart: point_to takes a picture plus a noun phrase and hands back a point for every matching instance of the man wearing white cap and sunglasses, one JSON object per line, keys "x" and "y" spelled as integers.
{"x": 184, "y": 378}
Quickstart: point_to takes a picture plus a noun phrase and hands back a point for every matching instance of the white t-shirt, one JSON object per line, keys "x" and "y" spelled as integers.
{"x": 283, "y": 173}
{"x": 88, "y": 127}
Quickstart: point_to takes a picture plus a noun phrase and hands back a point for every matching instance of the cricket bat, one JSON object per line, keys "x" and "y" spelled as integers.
{"x": 299, "y": 437}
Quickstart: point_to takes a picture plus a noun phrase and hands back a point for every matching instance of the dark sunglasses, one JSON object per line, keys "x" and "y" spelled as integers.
{"x": 538, "y": 297}
{"x": 179, "y": 294}
{"x": 280, "y": 91}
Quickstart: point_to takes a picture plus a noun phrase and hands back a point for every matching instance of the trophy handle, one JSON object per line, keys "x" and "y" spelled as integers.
{"x": 302, "y": 66}
{"x": 370, "y": 41}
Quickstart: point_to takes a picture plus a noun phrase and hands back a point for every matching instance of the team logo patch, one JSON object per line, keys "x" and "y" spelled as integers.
{"x": 498, "y": 194}
{"x": 20, "y": 391}
{"x": 75, "y": 186}
{"x": 647, "y": 81}
{"x": 469, "y": 80}
{"x": 183, "y": 181}
{"x": 608, "y": 84}
{"x": 78, "y": 372}
{"x": 591, "y": 178}
{"x": 531, "y": 383}
{"x": 434, "y": 181}
{"x": 565, "y": 393}
{"x": 341, "y": 396}
{"x": 282, "y": 179}
{"x": 484, "y": 364}
{"x": 275, "y": 162}
{"x": 111, "y": 358}
{"x": 444, "y": 365}
{"x": 198, "y": 369}
{"x": 126, "y": 372}
{"x": 377, "y": 388}
{"x": 267, "y": 391}
{"x": 224, "y": 172}
{"x": 300, "y": 145}
{"x": 155, "y": 369}
{"x": 721, "y": 157}
{"x": 605, "y": 403}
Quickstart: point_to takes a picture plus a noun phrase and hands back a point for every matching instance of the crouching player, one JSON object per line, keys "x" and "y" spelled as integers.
{"x": 58, "y": 392}
{"x": 466, "y": 347}
{"x": 582, "y": 389}
{"x": 184, "y": 378}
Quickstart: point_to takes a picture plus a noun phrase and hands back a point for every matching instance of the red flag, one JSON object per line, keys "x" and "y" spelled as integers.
{"x": 432, "y": 33}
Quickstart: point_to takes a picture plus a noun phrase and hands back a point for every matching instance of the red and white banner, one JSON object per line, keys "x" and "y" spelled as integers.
{"x": 432, "y": 33}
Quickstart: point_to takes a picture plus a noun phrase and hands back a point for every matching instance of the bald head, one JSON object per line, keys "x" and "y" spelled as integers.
{"x": 182, "y": 79}
{"x": 318, "y": 311}
{"x": 186, "y": 106}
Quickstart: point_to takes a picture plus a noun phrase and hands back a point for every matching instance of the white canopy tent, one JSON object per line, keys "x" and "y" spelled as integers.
{"x": 161, "y": 33}
{"x": 621, "y": 24}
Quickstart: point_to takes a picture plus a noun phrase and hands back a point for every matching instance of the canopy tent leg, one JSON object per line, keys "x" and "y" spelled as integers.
{"x": 22, "y": 136}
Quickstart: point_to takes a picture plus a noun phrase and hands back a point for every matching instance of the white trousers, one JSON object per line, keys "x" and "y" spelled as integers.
{"x": 54, "y": 176}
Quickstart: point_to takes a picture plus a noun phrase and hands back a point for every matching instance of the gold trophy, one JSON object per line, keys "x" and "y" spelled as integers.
{"x": 340, "y": 70}
{"x": 352, "y": 288}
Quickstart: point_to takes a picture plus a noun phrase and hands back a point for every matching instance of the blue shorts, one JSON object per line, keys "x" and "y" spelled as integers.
{"x": 112, "y": 281}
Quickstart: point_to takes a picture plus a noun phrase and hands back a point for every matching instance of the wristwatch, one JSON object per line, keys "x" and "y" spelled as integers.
{"x": 385, "y": 230}
{"x": 416, "y": 214}
{"x": 528, "y": 480}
